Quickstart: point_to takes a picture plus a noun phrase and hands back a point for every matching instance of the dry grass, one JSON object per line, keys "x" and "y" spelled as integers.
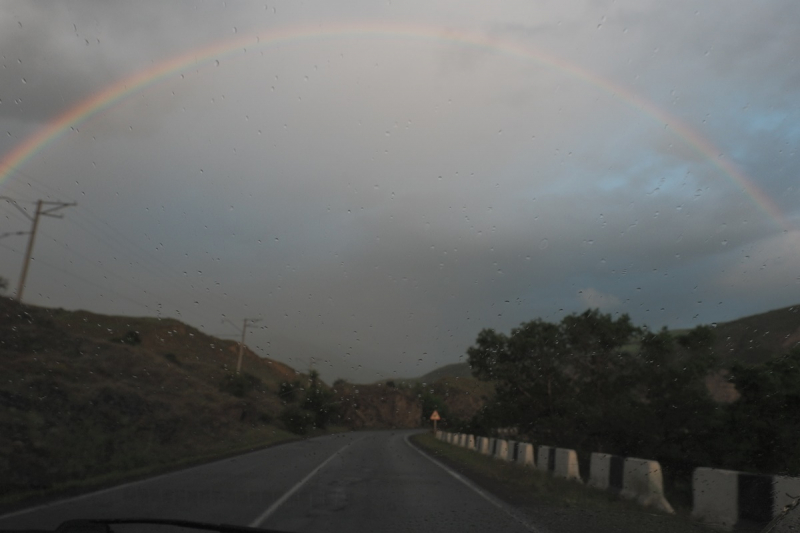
{"x": 78, "y": 408}
{"x": 249, "y": 442}
{"x": 560, "y": 504}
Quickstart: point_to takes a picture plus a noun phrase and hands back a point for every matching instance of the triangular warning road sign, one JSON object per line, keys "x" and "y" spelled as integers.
{"x": 435, "y": 416}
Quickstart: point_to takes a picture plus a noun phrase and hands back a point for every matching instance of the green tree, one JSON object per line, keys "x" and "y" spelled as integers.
{"x": 601, "y": 374}
{"x": 288, "y": 391}
{"x": 296, "y": 420}
{"x": 239, "y": 385}
{"x": 583, "y": 383}
{"x": 765, "y": 420}
{"x": 557, "y": 380}
{"x": 319, "y": 401}
{"x": 678, "y": 420}
{"x": 526, "y": 368}
{"x": 132, "y": 338}
{"x": 431, "y": 402}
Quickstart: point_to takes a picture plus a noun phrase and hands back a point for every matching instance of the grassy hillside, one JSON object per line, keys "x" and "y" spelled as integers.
{"x": 455, "y": 370}
{"x": 751, "y": 340}
{"x": 88, "y": 399}
{"x": 87, "y": 396}
{"x": 195, "y": 352}
{"x": 462, "y": 394}
{"x": 754, "y": 339}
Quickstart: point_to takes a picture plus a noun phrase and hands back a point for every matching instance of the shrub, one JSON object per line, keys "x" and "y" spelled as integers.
{"x": 296, "y": 420}
{"x": 319, "y": 401}
{"x": 131, "y": 338}
{"x": 288, "y": 391}
{"x": 239, "y": 385}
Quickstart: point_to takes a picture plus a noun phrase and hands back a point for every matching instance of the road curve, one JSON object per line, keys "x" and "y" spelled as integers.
{"x": 353, "y": 482}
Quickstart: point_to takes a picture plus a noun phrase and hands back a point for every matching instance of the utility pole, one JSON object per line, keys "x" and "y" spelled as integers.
{"x": 43, "y": 208}
{"x": 241, "y": 344}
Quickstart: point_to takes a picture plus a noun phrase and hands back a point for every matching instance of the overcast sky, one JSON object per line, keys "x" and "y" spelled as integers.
{"x": 389, "y": 178}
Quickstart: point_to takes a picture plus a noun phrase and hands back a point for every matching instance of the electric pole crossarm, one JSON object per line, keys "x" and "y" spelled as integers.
{"x": 10, "y": 233}
{"x": 56, "y": 207}
{"x": 51, "y": 207}
{"x": 15, "y": 204}
{"x": 29, "y": 251}
{"x": 241, "y": 343}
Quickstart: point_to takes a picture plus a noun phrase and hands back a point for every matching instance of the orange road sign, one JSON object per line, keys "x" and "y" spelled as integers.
{"x": 435, "y": 416}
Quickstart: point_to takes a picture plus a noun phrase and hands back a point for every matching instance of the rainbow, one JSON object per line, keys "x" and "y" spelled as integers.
{"x": 73, "y": 117}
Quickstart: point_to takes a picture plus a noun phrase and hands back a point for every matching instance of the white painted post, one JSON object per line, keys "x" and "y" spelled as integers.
{"x": 600, "y": 471}
{"x": 525, "y": 454}
{"x": 643, "y": 481}
{"x": 501, "y": 450}
{"x": 783, "y": 487}
{"x": 715, "y": 493}
{"x": 567, "y": 464}
{"x": 470, "y": 442}
{"x": 543, "y": 458}
{"x": 483, "y": 445}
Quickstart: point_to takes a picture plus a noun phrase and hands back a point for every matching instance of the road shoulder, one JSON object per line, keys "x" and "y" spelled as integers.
{"x": 558, "y": 505}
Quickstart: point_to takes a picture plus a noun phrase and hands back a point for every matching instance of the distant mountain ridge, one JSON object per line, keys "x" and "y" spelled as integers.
{"x": 455, "y": 370}
{"x": 754, "y": 339}
{"x": 86, "y": 395}
{"x": 751, "y": 340}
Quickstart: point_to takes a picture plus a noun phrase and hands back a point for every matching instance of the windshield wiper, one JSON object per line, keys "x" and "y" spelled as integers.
{"x": 104, "y": 526}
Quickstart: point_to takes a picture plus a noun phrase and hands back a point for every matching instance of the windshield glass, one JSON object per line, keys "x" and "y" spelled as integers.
{"x": 228, "y": 225}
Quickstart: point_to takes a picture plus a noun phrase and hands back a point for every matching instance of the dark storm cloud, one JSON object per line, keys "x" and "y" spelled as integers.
{"x": 378, "y": 205}
{"x": 54, "y": 55}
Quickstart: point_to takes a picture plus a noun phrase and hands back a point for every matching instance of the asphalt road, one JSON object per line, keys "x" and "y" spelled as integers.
{"x": 366, "y": 481}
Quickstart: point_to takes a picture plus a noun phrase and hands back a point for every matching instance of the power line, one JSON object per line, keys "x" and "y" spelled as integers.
{"x": 99, "y": 232}
{"x": 110, "y": 243}
{"x": 87, "y": 215}
{"x": 100, "y": 267}
{"x": 34, "y": 183}
{"x": 12, "y": 233}
{"x": 43, "y": 209}
{"x": 158, "y": 270}
{"x": 152, "y": 257}
{"x": 26, "y": 191}
{"x": 98, "y": 223}
{"x": 95, "y": 226}
{"x": 13, "y": 213}
{"x": 80, "y": 278}
{"x": 241, "y": 343}
{"x": 77, "y": 277}
{"x": 10, "y": 248}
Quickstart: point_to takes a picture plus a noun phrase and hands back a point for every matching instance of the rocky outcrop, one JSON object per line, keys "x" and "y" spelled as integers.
{"x": 378, "y": 406}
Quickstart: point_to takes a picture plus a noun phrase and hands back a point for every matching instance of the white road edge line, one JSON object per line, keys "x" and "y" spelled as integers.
{"x": 127, "y": 485}
{"x": 280, "y": 501}
{"x": 510, "y": 511}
